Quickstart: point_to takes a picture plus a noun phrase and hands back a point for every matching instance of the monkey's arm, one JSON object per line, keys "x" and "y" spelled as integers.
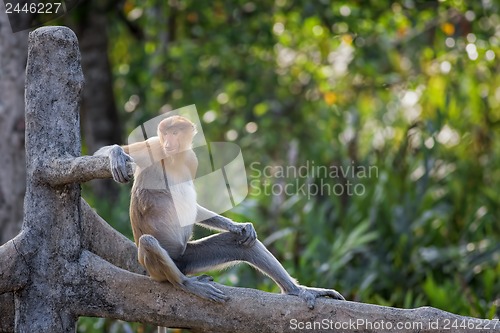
{"x": 215, "y": 221}
{"x": 142, "y": 154}
{"x": 145, "y": 153}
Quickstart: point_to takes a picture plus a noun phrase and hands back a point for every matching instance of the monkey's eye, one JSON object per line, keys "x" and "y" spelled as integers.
{"x": 175, "y": 132}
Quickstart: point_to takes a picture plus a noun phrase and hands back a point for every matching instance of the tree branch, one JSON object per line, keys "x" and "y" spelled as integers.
{"x": 13, "y": 266}
{"x": 115, "y": 293}
{"x": 76, "y": 170}
{"x": 100, "y": 238}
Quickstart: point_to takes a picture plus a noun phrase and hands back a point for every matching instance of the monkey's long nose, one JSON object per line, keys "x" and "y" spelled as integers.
{"x": 169, "y": 144}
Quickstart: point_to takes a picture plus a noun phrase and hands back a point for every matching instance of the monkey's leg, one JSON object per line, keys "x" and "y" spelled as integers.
{"x": 162, "y": 268}
{"x": 222, "y": 249}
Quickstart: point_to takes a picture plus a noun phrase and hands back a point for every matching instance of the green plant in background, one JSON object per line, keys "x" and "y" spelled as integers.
{"x": 410, "y": 89}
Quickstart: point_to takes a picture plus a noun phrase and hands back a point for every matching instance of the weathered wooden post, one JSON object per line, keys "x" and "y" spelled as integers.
{"x": 54, "y": 81}
{"x": 55, "y": 235}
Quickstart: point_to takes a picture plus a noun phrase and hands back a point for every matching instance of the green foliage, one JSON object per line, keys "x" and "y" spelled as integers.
{"x": 409, "y": 90}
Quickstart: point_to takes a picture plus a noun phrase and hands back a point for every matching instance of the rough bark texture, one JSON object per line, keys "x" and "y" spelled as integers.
{"x": 65, "y": 262}
{"x": 7, "y": 313}
{"x": 12, "y": 174}
{"x": 52, "y": 216}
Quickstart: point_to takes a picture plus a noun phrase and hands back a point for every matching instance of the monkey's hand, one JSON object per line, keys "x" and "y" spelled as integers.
{"x": 309, "y": 294}
{"x": 118, "y": 160}
{"x": 246, "y": 232}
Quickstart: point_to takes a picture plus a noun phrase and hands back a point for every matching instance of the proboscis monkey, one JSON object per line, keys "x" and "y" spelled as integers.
{"x": 162, "y": 229}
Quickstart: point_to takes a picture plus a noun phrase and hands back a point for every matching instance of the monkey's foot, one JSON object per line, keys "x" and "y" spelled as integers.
{"x": 309, "y": 295}
{"x": 203, "y": 289}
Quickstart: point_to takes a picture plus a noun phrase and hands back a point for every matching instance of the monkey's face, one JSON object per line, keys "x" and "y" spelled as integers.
{"x": 171, "y": 141}
{"x": 176, "y": 135}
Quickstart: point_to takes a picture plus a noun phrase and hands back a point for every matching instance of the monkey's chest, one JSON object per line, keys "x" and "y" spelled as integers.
{"x": 163, "y": 194}
{"x": 173, "y": 204}
{"x": 183, "y": 198}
